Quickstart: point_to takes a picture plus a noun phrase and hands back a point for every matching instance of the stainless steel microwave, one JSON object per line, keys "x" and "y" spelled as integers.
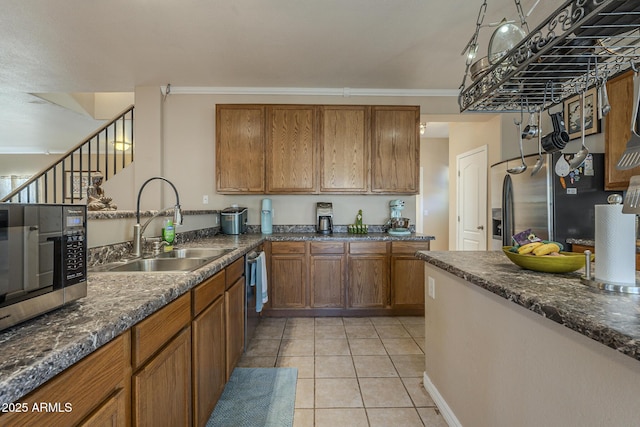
{"x": 43, "y": 259}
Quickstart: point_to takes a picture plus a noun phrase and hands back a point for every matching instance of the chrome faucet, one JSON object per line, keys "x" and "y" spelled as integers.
{"x": 138, "y": 229}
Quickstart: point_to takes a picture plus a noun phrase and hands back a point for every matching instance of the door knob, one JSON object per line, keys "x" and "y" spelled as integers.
{"x": 480, "y": 227}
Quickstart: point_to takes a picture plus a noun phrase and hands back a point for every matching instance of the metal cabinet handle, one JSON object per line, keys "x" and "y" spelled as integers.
{"x": 480, "y": 227}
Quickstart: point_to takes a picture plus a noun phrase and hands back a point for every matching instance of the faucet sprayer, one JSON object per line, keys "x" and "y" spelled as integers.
{"x": 138, "y": 229}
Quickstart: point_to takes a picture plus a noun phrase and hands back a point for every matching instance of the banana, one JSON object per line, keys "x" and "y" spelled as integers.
{"x": 528, "y": 247}
{"x": 546, "y": 249}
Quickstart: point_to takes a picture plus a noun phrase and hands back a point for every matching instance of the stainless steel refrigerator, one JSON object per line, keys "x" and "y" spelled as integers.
{"x": 553, "y": 207}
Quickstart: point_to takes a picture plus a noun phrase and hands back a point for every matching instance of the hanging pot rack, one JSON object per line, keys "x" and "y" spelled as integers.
{"x": 580, "y": 45}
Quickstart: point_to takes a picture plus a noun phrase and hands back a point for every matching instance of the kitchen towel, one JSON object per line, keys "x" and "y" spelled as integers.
{"x": 261, "y": 281}
{"x": 615, "y": 247}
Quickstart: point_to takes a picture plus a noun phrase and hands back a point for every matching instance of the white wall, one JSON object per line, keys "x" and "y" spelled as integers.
{"x": 434, "y": 159}
{"x": 176, "y": 139}
{"x": 510, "y": 147}
{"x": 24, "y": 164}
{"x": 498, "y": 364}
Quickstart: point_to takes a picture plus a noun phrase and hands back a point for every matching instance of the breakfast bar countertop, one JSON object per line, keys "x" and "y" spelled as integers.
{"x": 610, "y": 318}
{"x": 37, "y": 350}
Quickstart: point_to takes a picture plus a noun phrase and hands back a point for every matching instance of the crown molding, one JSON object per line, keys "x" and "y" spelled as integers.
{"x": 303, "y": 91}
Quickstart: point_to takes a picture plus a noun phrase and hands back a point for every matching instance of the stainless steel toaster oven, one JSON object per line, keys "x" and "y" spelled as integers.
{"x": 43, "y": 259}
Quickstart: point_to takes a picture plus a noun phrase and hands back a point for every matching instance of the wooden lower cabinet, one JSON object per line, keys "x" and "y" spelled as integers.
{"x": 162, "y": 388}
{"x": 407, "y": 276}
{"x": 234, "y": 320}
{"x": 209, "y": 349}
{"x": 93, "y": 392}
{"x": 346, "y": 278}
{"x": 368, "y": 275}
{"x": 167, "y": 370}
{"x": 288, "y": 275}
{"x": 327, "y": 272}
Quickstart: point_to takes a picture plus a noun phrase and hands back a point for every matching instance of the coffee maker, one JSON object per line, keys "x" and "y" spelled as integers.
{"x": 266, "y": 217}
{"x": 324, "y": 213}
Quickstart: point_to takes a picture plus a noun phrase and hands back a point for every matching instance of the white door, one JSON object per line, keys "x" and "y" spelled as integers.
{"x": 472, "y": 200}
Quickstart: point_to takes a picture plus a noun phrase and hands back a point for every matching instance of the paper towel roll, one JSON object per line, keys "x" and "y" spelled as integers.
{"x": 615, "y": 247}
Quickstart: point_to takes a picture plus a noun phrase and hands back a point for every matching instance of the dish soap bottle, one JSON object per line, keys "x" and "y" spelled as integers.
{"x": 168, "y": 234}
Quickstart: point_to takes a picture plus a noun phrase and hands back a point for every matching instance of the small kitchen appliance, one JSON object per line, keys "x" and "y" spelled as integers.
{"x": 266, "y": 217}
{"x": 324, "y": 213}
{"x": 234, "y": 220}
{"x": 398, "y": 226}
{"x": 43, "y": 259}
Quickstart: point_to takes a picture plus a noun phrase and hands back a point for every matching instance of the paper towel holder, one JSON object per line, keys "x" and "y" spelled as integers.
{"x": 631, "y": 206}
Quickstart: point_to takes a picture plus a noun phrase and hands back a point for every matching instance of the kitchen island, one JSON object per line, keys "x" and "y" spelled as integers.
{"x": 507, "y": 346}
{"x": 37, "y": 350}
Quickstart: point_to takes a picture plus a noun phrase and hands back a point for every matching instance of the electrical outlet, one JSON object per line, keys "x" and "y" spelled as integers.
{"x": 432, "y": 287}
{"x": 205, "y": 200}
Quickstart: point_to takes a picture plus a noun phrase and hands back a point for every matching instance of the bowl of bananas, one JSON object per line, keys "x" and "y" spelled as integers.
{"x": 545, "y": 256}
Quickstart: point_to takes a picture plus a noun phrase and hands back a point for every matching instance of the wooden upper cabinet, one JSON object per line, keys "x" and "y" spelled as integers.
{"x": 240, "y": 148}
{"x": 344, "y": 148}
{"x": 311, "y": 149}
{"x": 291, "y": 149}
{"x": 618, "y": 131}
{"x": 395, "y": 155}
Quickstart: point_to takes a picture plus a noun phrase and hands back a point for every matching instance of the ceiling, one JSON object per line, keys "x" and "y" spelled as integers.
{"x": 83, "y": 46}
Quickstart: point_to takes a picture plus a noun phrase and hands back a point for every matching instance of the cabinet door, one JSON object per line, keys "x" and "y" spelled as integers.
{"x": 344, "y": 148}
{"x": 209, "y": 367}
{"x": 395, "y": 149}
{"x": 368, "y": 279}
{"x": 162, "y": 388}
{"x": 291, "y": 149}
{"x": 111, "y": 414}
{"x": 618, "y": 131}
{"x": 234, "y": 320}
{"x": 288, "y": 281}
{"x": 327, "y": 280}
{"x": 240, "y": 145}
{"x": 407, "y": 282}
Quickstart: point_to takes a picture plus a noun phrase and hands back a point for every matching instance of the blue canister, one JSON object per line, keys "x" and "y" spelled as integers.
{"x": 266, "y": 217}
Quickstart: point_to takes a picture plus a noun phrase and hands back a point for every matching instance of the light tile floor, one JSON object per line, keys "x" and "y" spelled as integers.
{"x": 364, "y": 371}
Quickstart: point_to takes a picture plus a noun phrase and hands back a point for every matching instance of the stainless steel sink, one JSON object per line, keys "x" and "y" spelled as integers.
{"x": 161, "y": 264}
{"x": 209, "y": 253}
{"x": 177, "y": 260}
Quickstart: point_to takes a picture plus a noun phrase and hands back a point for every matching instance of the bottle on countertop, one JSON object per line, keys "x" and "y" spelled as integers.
{"x": 168, "y": 233}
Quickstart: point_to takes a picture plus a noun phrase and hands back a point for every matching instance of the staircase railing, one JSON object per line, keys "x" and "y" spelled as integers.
{"x": 103, "y": 153}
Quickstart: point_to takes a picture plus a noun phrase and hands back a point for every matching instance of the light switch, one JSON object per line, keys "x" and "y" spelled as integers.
{"x": 432, "y": 287}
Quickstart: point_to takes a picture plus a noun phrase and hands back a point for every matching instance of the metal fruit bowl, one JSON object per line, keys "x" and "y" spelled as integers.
{"x": 571, "y": 261}
{"x": 399, "y": 222}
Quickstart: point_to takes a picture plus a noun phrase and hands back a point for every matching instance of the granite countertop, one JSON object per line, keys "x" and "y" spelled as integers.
{"x": 37, "y": 350}
{"x": 609, "y": 318}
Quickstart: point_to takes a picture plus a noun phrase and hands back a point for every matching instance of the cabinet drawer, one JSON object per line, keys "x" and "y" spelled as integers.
{"x": 234, "y": 272}
{"x": 207, "y": 292}
{"x": 156, "y": 330}
{"x": 409, "y": 247}
{"x": 368, "y": 247}
{"x": 287, "y": 248}
{"x": 327, "y": 247}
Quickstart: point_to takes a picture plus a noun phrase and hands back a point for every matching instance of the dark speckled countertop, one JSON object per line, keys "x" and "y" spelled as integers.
{"x": 36, "y": 350}
{"x": 609, "y": 318}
